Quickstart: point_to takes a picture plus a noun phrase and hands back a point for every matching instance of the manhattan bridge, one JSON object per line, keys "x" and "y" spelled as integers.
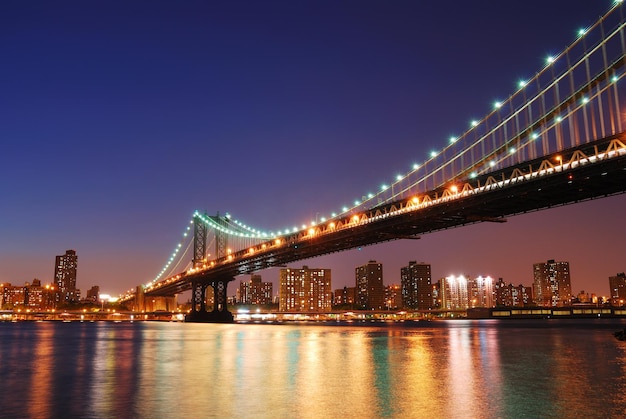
{"x": 558, "y": 139}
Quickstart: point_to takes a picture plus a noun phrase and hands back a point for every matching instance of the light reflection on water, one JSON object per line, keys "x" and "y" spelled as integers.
{"x": 454, "y": 369}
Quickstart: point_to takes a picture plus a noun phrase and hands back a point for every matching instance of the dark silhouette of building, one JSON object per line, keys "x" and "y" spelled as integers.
{"x": 416, "y": 285}
{"x": 344, "y": 296}
{"x": 93, "y": 294}
{"x": 618, "y": 289}
{"x": 370, "y": 292}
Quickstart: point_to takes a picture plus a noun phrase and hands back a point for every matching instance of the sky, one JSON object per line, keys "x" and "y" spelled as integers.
{"x": 119, "y": 119}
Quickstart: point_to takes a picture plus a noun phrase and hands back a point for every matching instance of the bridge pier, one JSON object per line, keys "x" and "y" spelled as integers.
{"x": 199, "y": 313}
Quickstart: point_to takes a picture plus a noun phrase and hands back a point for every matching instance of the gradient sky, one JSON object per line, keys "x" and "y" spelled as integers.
{"x": 118, "y": 119}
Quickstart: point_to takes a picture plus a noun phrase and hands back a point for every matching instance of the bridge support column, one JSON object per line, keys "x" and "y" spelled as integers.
{"x": 220, "y": 313}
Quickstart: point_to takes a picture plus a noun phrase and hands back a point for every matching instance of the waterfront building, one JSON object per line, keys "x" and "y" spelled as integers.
{"x": 255, "y": 291}
{"x": 13, "y": 296}
{"x": 618, "y": 289}
{"x": 344, "y": 296}
{"x": 521, "y": 296}
{"x": 454, "y": 295}
{"x": 552, "y": 285}
{"x": 509, "y": 295}
{"x": 32, "y": 296}
{"x": 305, "y": 290}
{"x": 436, "y": 295}
{"x": 393, "y": 297}
{"x": 370, "y": 292}
{"x": 415, "y": 281}
{"x": 502, "y": 294}
{"x": 65, "y": 268}
{"x": 480, "y": 292}
{"x": 93, "y": 294}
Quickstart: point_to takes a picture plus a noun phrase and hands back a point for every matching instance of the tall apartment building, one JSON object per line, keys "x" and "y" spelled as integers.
{"x": 416, "y": 286}
{"x": 255, "y": 291}
{"x": 480, "y": 292}
{"x": 454, "y": 295}
{"x": 618, "y": 288}
{"x": 552, "y": 285}
{"x": 370, "y": 291}
{"x": 65, "y": 267}
{"x": 305, "y": 290}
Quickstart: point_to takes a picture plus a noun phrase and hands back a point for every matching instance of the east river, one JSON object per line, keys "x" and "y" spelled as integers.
{"x": 439, "y": 369}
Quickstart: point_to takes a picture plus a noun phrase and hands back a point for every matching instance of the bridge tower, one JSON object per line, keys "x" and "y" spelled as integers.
{"x": 199, "y": 313}
{"x": 199, "y": 242}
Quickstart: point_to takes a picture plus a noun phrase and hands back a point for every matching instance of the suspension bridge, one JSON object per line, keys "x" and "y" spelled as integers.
{"x": 558, "y": 139}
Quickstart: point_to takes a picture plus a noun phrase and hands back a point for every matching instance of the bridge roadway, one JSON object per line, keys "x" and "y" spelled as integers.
{"x": 562, "y": 178}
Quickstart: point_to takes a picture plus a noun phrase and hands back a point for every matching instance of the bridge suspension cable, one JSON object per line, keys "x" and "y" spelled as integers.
{"x": 572, "y": 100}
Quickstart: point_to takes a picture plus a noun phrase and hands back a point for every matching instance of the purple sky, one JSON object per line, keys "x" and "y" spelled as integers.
{"x": 119, "y": 119}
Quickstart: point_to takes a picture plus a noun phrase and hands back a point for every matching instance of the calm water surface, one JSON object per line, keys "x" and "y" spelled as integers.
{"x": 442, "y": 369}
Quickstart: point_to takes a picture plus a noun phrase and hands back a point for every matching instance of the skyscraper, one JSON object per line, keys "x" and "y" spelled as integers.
{"x": 370, "y": 291}
{"x": 65, "y": 277}
{"x": 552, "y": 285}
{"x": 305, "y": 290}
{"x": 415, "y": 283}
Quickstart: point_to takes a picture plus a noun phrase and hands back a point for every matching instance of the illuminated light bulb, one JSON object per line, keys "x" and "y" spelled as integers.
{"x": 399, "y": 177}
{"x": 344, "y": 209}
{"x": 416, "y": 166}
{"x": 454, "y": 189}
{"x": 559, "y": 119}
{"x": 535, "y": 136}
{"x": 582, "y": 32}
{"x": 512, "y": 150}
{"x": 550, "y": 59}
{"x": 311, "y": 231}
{"x": 370, "y": 195}
{"x": 497, "y": 104}
{"x": 614, "y": 79}
{"x": 433, "y": 154}
{"x": 585, "y": 100}
{"x": 473, "y": 175}
{"x": 492, "y": 163}
{"x": 356, "y": 202}
{"x": 452, "y": 140}
{"x": 522, "y": 83}
{"x": 474, "y": 123}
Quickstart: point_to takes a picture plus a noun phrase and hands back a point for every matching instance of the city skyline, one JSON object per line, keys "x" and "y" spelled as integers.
{"x": 120, "y": 125}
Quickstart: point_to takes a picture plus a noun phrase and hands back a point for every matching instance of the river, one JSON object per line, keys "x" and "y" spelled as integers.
{"x": 439, "y": 369}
